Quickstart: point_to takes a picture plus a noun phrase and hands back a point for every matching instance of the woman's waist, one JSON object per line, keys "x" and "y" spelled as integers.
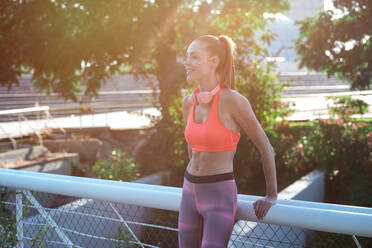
{"x": 205, "y": 168}
{"x": 213, "y": 157}
{"x": 227, "y": 176}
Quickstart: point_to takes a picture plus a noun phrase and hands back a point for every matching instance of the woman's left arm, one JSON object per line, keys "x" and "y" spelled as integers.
{"x": 243, "y": 114}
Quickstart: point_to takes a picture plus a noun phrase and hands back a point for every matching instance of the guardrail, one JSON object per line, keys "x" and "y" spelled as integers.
{"x": 20, "y": 113}
{"x": 351, "y": 220}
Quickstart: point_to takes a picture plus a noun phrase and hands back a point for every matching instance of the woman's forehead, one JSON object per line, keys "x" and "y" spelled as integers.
{"x": 197, "y": 47}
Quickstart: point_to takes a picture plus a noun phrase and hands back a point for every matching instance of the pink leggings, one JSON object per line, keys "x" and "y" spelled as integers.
{"x": 207, "y": 212}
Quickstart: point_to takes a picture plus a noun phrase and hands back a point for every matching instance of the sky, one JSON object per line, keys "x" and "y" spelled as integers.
{"x": 328, "y": 4}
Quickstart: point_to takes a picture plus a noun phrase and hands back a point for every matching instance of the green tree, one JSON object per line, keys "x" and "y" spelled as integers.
{"x": 74, "y": 46}
{"x": 53, "y": 40}
{"x": 341, "y": 45}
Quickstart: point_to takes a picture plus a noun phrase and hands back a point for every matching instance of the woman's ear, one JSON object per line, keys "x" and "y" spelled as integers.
{"x": 215, "y": 60}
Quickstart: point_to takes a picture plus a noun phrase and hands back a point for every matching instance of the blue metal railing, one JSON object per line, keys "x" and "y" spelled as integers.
{"x": 351, "y": 220}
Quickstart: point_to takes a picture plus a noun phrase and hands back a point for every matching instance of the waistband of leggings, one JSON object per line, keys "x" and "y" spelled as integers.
{"x": 209, "y": 178}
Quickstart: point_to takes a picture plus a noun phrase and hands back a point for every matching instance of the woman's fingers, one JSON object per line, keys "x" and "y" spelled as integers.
{"x": 261, "y": 207}
{"x": 266, "y": 209}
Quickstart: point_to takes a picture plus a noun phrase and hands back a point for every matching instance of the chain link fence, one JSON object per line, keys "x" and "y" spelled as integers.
{"x": 49, "y": 220}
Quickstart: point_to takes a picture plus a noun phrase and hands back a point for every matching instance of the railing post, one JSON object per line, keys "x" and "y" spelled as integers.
{"x": 33, "y": 129}
{"x": 356, "y": 241}
{"x": 48, "y": 218}
{"x": 80, "y": 118}
{"x": 92, "y": 118}
{"x": 51, "y": 118}
{"x": 20, "y": 125}
{"x": 106, "y": 122}
{"x": 10, "y": 137}
{"x": 19, "y": 219}
{"x": 37, "y": 113}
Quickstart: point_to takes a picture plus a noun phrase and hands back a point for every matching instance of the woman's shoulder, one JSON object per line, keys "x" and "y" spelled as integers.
{"x": 231, "y": 96}
{"x": 186, "y": 103}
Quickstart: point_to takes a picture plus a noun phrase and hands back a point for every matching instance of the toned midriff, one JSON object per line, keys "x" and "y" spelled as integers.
{"x": 210, "y": 163}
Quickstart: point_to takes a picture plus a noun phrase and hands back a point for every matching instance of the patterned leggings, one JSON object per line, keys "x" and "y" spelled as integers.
{"x": 207, "y": 212}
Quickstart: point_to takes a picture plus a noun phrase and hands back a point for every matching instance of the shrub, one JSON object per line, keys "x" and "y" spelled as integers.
{"x": 345, "y": 106}
{"x": 343, "y": 150}
{"x": 117, "y": 167}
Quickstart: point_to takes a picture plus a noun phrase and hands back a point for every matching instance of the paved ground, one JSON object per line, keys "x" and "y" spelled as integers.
{"x": 115, "y": 120}
{"x": 310, "y": 106}
{"x": 307, "y": 108}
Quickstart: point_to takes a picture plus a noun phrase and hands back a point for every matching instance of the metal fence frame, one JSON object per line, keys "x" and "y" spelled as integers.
{"x": 20, "y": 113}
{"x": 296, "y": 213}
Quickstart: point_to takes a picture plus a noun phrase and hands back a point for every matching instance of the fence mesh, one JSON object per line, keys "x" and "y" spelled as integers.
{"x": 50, "y": 220}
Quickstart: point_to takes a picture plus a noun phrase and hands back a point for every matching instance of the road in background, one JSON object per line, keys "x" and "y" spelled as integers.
{"x": 308, "y": 92}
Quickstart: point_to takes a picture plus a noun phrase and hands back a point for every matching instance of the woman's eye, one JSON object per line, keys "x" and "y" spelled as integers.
{"x": 191, "y": 57}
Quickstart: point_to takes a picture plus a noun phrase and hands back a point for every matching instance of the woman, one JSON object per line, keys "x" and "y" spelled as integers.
{"x": 214, "y": 114}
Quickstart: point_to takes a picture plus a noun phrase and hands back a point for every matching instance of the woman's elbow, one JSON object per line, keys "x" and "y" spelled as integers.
{"x": 268, "y": 149}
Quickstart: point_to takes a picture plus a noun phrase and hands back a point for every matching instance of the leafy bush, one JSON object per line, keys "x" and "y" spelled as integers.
{"x": 345, "y": 106}
{"x": 259, "y": 84}
{"x": 117, "y": 167}
{"x": 8, "y": 222}
{"x": 343, "y": 150}
{"x": 248, "y": 165}
{"x": 8, "y": 225}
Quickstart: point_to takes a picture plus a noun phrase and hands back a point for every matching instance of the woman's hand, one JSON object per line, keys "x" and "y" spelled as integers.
{"x": 263, "y": 205}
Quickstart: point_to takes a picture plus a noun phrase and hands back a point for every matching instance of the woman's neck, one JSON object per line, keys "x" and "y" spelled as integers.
{"x": 208, "y": 85}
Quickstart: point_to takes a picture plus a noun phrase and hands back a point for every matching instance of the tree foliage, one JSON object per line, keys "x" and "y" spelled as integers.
{"x": 339, "y": 45}
{"x": 74, "y": 46}
{"x": 71, "y": 46}
{"x": 55, "y": 39}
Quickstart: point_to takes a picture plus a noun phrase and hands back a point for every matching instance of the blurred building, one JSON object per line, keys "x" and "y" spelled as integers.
{"x": 281, "y": 49}
{"x": 304, "y": 8}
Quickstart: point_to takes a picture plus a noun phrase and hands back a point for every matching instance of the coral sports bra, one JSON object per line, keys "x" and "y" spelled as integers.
{"x": 211, "y": 135}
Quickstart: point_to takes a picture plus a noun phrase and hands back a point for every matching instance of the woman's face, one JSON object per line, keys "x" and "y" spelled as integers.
{"x": 198, "y": 63}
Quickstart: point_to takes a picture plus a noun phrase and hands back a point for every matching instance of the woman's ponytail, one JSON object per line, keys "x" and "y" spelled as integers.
{"x": 226, "y": 68}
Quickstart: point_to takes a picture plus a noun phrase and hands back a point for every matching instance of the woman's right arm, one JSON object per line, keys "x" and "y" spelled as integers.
{"x": 185, "y": 111}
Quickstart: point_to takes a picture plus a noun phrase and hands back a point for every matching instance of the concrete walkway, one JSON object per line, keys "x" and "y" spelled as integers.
{"x": 310, "y": 106}
{"x": 307, "y": 107}
{"x": 307, "y": 92}
{"x": 113, "y": 120}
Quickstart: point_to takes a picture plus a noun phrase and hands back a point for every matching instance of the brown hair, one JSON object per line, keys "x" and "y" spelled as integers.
{"x": 222, "y": 46}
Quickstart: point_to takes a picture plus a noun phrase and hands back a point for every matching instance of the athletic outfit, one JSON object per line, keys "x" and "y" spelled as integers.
{"x": 211, "y": 135}
{"x": 208, "y": 203}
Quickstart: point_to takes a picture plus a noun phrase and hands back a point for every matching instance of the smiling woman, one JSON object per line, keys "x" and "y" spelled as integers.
{"x": 214, "y": 115}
